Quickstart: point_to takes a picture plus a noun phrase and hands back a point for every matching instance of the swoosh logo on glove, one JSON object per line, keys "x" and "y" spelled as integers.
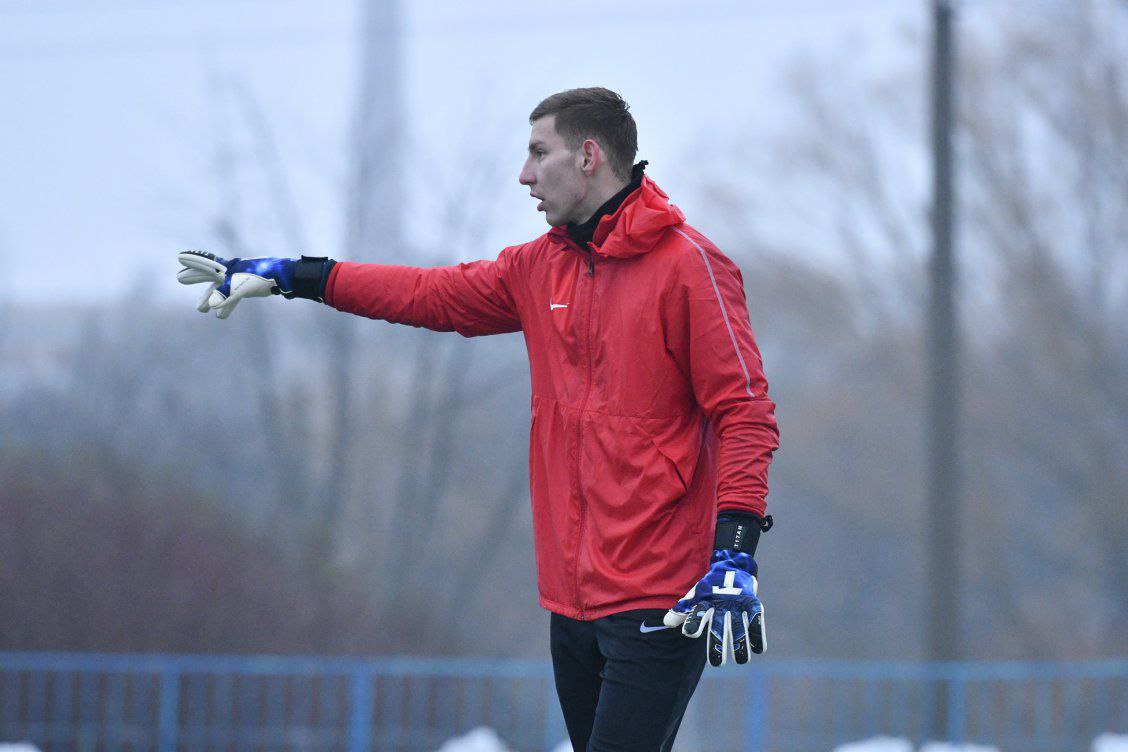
{"x": 644, "y": 629}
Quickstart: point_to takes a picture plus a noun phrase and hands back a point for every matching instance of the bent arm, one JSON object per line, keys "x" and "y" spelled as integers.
{"x": 472, "y": 298}
{"x": 728, "y": 380}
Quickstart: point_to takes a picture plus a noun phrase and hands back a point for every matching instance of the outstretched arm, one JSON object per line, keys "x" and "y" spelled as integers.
{"x": 472, "y": 299}
{"x": 727, "y": 376}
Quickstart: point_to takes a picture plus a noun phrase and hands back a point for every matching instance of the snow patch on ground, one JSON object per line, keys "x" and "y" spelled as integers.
{"x": 1110, "y": 743}
{"x": 481, "y": 739}
{"x": 484, "y": 739}
{"x": 877, "y": 744}
{"x": 895, "y": 744}
{"x": 19, "y": 747}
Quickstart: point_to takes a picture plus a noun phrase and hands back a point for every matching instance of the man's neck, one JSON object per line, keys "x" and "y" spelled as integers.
{"x": 600, "y": 197}
{"x": 583, "y": 232}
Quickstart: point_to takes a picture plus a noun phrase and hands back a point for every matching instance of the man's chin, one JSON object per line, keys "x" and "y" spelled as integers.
{"x": 554, "y": 220}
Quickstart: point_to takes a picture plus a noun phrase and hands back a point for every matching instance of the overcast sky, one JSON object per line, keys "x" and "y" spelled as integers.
{"x": 111, "y": 108}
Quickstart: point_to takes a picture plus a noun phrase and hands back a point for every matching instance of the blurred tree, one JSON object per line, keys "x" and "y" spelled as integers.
{"x": 101, "y": 556}
{"x": 1044, "y": 170}
{"x": 1046, "y": 143}
{"x": 127, "y": 435}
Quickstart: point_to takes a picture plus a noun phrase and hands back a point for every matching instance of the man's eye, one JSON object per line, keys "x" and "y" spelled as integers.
{"x": 540, "y": 152}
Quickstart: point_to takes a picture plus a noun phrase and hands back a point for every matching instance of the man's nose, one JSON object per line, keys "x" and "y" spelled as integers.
{"x": 526, "y": 177}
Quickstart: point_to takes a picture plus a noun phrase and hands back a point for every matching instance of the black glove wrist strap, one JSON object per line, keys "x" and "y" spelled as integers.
{"x": 740, "y": 531}
{"x": 311, "y": 274}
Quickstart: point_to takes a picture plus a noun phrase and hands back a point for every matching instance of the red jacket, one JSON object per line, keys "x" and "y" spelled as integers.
{"x": 650, "y": 410}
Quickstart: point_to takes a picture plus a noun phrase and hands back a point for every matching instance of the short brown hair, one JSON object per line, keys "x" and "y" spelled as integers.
{"x": 595, "y": 113}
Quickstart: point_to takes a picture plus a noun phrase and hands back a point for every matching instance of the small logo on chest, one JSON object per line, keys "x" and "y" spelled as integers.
{"x": 554, "y": 306}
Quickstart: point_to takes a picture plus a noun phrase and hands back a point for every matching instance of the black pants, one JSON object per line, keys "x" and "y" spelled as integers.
{"x": 623, "y": 685}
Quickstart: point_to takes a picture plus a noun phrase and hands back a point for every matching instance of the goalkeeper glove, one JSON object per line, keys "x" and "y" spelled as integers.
{"x": 231, "y": 280}
{"x": 724, "y": 601}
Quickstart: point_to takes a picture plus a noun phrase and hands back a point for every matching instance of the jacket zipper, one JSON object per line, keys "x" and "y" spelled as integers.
{"x": 580, "y": 426}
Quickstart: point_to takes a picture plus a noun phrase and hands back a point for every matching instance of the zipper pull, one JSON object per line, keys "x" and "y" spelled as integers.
{"x": 591, "y": 264}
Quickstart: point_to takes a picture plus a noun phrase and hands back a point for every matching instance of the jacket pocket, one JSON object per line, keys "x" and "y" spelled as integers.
{"x": 625, "y": 472}
{"x": 679, "y": 441}
{"x": 637, "y": 521}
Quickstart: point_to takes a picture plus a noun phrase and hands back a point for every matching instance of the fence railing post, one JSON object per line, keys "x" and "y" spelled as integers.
{"x": 957, "y": 704}
{"x": 755, "y": 710}
{"x": 548, "y": 734}
{"x": 360, "y": 710}
{"x": 168, "y": 718}
{"x": 161, "y": 702}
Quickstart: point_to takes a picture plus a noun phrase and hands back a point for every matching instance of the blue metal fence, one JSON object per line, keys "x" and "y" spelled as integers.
{"x": 80, "y": 703}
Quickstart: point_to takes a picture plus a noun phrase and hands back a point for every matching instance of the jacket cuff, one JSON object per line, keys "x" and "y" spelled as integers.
{"x": 331, "y": 285}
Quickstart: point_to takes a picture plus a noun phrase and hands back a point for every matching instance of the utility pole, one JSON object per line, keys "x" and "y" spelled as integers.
{"x": 942, "y": 613}
{"x": 374, "y": 226}
{"x": 375, "y": 221}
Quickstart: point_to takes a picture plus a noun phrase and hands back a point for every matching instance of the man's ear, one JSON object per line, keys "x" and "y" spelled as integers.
{"x": 590, "y": 156}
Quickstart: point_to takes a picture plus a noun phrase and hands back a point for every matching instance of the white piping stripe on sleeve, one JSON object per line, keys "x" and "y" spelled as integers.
{"x": 724, "y": 313}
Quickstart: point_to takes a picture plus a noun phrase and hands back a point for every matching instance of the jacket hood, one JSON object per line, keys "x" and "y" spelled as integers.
{"x": 635, "y": 227}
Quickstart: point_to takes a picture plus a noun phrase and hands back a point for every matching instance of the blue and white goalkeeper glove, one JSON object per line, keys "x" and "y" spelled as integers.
{"x": 724, "y": 602}
{"x": 231, "y": 280}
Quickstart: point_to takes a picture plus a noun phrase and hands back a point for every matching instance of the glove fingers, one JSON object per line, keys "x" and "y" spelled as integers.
{"x": 674, "y": 618}
{"x": 208, "y": 265}
{"x": 188, "y": 276}
{"x": 215, "y": 300}
{"x": 726, "y": 646}
{"x": 757, "y": 633}
{"x": 740, "y": 638}
{"x": 205, "y": 302}
{"x": 699, "y": 618}
{"x": 720, "y": 640}
{"x": 227, "y": 308}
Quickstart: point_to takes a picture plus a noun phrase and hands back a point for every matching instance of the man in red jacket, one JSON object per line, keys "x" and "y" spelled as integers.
{"x": 652, "y": 430}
